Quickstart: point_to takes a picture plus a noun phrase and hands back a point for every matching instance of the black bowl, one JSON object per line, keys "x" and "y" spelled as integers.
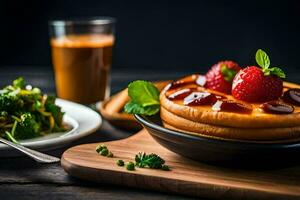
{"x": 219, "y": 151}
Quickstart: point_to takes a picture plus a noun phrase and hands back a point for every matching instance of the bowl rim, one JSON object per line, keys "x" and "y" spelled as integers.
{"x": 146, "y": 122}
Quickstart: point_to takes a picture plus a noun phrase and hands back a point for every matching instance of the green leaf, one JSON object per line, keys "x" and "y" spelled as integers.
{"x": 134, "y": 108}
{"x": 143, "y": 93}
{"x": 262, "y": 59}
{"x": 278, "y": 72}
{"x": 227, "y": 73}
{"x": 144, "y": 98}
{"x": 19, "y": 83}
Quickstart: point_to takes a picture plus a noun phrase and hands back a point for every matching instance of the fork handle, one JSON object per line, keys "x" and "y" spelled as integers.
{"x": 37, "y": 156}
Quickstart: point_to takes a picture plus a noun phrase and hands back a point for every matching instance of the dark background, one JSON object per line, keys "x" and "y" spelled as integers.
{"x": 174, "y": 35}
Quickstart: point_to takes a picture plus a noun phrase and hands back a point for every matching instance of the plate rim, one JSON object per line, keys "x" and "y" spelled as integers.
{"x": 70, "y": 136}
{"x": 261, "y": 144}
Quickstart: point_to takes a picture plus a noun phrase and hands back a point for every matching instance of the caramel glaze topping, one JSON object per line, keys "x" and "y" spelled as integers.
{"x": 180, "y": 94}
{"x": 227, "y": 105}
{"x": 196, "y": 95}
{"x": 195, "y": 78}
{"x": 200, "y": 98}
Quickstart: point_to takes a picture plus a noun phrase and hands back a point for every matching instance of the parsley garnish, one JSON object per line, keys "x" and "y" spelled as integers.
{"x": 142, "y": 160}
{"x": 120, "y": 163}
{"x": 151, "y": 160}
{"x": 130, "y": 166}
{"x": 104, "y": 151}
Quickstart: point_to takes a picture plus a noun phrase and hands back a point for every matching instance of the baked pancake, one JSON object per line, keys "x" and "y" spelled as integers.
{"x": 264, "y": 134}
{"x": 182, "y": 109}
{"x": 205, "y": 114}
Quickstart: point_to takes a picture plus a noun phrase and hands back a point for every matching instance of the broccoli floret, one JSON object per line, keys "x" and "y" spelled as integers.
{"x": 54, "y": 109}
{"x": 27, "y": 127}
{"x": 19, "y": 83}
{"x": 10, "y": 102}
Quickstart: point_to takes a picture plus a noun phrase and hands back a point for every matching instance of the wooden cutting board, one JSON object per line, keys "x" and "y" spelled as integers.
{"x": 186, "y": 177}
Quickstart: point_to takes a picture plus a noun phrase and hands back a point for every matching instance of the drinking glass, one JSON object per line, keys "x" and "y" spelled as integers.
{"x": 81, "y": 57}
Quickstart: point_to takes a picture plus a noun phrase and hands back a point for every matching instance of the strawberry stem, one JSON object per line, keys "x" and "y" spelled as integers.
{"x": 227, "y": 73}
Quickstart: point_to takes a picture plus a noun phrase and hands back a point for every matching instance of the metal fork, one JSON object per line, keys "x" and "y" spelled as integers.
{"x": 37, "y": 156}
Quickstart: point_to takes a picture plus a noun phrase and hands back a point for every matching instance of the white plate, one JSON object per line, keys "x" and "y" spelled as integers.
{"x": 83, "y": 120}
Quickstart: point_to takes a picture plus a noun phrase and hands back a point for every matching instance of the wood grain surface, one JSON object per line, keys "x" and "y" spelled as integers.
{"x": 186, "y": 177}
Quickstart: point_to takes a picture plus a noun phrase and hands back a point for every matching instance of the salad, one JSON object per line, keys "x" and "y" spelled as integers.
{"x": 27, "y": 113}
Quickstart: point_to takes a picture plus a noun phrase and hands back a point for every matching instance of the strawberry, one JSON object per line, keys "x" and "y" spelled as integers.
{"x": 254, "y": 84}
{"x": 220, "y": 76}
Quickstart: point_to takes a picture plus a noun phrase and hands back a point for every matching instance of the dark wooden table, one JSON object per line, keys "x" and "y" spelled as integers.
{"x": 22, "y": 178}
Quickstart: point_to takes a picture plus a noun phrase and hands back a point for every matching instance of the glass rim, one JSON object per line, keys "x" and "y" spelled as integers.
{"x": 83, "y": 21}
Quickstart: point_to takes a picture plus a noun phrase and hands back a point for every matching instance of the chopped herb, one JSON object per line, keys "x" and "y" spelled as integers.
{"x": 130, "y": 166}
{"x": 120, "y": 163}
{"x": 104, "y": 152}
{"x": 100, "y": 147}
{"x": 151, "y": 160}
{"x": 142, "y": 160}
{"x": 165, "y": 168}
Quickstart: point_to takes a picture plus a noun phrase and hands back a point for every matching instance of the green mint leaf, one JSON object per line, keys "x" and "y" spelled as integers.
{"x": 278, "y": 72}
{"x": 143, "y": 93}
{"x": 134, "y": 108}
{"x": 262, "y": 59}
{"x": 227, "y": 73}
{"x": 144, "y": 98}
